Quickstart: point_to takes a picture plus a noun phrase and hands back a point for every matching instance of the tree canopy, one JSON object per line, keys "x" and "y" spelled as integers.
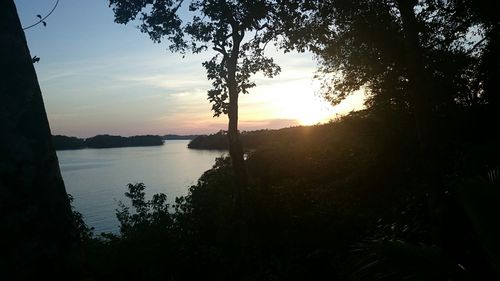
{"x": 238, "y": 32}
{"x": 217, "y": 25}
{"x": 361, "y": 45}
{"x": 350, "y": 200}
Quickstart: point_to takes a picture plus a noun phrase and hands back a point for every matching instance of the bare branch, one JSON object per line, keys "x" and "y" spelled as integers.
{"x": 42, "y": 20}
{"x": 478, "y": 43}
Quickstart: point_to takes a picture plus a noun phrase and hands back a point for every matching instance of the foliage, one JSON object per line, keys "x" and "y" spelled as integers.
{"x": 214, "y": 141}
{"x": 146, "y": 213}
{"x": 342, "y": 200}
{"x": 361, "y": 45}
{"x": 347, "y": 200}
{"x": 65, "y": 142}
{"x": 179, "y": 137}
{"x": 105, "y": 141}
{"x": 84, "y": 231}
{"x": 222, "y": 26}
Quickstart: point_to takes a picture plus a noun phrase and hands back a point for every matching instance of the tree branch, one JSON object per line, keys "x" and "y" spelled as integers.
{"x": 477, "y": 44}
{"x": 42, "y": 20}
{"x": 174, "y": 10}
{"x": 220, "y": 49}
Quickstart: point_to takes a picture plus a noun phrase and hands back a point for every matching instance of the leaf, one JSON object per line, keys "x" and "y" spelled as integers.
{"x": 39, "y": 16}
{"x": 44, "y": 23}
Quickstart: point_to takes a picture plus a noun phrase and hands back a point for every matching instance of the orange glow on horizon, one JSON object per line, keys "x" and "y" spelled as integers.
{"x": 296, "y": 100}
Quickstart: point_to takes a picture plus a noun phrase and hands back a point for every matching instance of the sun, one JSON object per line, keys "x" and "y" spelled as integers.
{"x": 311, "y": 110}
{"x": 308, "y": 109}
{"x": 295, "y": 100}
{"x": 312, "y": 115}
{"x": 289, "y": 101}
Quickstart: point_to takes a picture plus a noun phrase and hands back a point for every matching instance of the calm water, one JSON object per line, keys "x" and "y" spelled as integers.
{"x": 97, "y": 178}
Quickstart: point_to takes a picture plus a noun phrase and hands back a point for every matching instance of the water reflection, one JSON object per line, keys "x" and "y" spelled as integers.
{"x": 97, "y": 177}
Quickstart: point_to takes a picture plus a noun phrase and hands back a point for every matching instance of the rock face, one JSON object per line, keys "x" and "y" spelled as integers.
{"x": 37, "y": 236}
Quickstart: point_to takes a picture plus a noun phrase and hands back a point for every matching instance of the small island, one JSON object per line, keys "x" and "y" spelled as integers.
{"x": 217, "y": 141}
{"x": 105, "y": 141}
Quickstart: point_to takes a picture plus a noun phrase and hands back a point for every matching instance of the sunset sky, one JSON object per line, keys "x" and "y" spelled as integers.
{"x": 101, "y": 77}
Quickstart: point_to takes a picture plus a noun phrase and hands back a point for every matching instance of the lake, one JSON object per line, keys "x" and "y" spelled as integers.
{"x": 97, "y": 178}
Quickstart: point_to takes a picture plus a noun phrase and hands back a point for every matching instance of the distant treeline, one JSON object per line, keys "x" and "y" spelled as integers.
{"x": 179, "y": 137}
{"x": 249, "y": 139}
{"x": 105, "y": 141}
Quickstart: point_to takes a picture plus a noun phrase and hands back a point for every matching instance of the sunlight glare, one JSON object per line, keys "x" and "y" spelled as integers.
{"x": 299, "y": 100}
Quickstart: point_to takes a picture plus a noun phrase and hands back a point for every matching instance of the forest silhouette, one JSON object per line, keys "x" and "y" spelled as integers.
{"x": 406, "y": 189}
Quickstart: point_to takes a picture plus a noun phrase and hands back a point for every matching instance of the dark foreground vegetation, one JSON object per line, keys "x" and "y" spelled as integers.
{"x": 250, "y": 140}
{"x": 219, "y": 141}
{"x": 104, "y": 141}
{"x": 341, "y": 201}
{"x": 406, "y": 190}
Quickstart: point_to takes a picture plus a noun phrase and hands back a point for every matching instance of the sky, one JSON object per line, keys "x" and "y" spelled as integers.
{"x": 99, "y": 77}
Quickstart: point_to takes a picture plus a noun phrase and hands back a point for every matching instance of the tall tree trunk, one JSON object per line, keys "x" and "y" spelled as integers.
{"x": 37, "y": 235}
{"x": 236, "y": 153}
{"x": 421, "y": 90}
{"x": 420, "y": 84}
{"x": 235, "y": 146}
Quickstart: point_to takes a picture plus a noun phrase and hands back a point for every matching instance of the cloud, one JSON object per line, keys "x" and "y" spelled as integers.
{"x": 140, "y": 93}
{"x": 209, "y": 126}
{"x": 175, "y": 84}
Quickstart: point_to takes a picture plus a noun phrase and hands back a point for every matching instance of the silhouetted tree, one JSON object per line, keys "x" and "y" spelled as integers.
{"x": 37, "y": 234}
{"x": 430, "y": 58}
{"x": 489, "y": 68}
{"x": 65, "y": 142}
{"x": 237, "y": 31}
{"x": 416, "y": 56}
